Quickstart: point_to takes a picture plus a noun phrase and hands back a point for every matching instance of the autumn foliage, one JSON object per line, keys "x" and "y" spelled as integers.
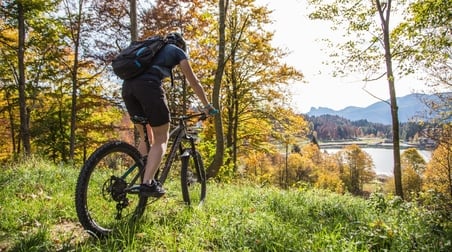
{"x": 73, "y": 103}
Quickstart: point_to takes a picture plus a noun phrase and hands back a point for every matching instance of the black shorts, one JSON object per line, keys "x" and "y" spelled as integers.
{"x": 146, "y": 98}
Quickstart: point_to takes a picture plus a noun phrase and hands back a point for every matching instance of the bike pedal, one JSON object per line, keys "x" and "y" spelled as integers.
{"x": 134, "y": 189}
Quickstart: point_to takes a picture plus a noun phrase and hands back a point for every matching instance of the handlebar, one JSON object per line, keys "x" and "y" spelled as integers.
{"x": 202, "y": 116}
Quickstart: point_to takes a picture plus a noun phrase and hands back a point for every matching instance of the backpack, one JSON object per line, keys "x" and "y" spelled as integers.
{"x": 136, "y": 58}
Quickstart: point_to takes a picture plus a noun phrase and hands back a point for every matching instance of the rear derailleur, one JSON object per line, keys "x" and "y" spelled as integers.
{"x": 116, "y": 189}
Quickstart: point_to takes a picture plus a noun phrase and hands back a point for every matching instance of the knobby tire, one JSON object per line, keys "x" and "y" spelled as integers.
{"x": 193, "y": 178}
{"x": 100, "y": 188}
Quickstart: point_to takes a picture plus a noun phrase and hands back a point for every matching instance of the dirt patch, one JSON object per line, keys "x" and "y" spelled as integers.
{"x": 64, "y": 235}
{"x": 4, "y": 246}
{"x": 67, "y": 234}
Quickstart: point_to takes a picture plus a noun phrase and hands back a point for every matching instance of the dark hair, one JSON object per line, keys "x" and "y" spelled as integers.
{"x": 176, "y": 39}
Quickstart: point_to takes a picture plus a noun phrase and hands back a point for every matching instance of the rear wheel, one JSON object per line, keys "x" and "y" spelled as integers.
{"x": 193, "y": 178}
{"x": 107, "y": 188}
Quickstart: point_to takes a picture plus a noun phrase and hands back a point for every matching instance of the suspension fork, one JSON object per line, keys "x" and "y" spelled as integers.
{"x": 172, "y": 154}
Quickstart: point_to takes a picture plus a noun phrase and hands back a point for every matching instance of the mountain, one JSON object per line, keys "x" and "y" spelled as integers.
{"x": 410, "y": 107}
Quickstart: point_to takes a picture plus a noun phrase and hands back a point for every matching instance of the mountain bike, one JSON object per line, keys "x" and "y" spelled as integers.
{"x": 107, "y": 190}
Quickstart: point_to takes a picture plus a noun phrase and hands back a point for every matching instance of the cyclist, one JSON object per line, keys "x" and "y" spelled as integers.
{"x": 144, "y": 96}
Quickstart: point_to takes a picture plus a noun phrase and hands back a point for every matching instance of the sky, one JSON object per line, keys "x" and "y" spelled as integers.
{"x": 295, "y": 32}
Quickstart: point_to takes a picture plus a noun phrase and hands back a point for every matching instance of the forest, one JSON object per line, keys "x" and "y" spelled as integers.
{"x": 60, "y": 100}
{"x": 336, "y": 128}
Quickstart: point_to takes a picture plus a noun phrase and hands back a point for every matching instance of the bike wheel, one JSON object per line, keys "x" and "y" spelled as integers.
{"x": 103, "y": 196}
{"x": 193, "y": 178}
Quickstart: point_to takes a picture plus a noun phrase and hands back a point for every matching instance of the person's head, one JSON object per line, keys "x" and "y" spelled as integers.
{"x": 176, "y": 39}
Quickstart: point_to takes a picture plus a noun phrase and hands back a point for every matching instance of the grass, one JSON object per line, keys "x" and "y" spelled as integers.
{"x": 37, "y": 214}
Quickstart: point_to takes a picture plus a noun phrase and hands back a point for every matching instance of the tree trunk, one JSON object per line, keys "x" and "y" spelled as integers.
{"x": 217, "y": 162}
{"x": 448, "y": 158}
{"x": 286, "y": 164}
{"x": 133, "y": 20}
{"x": 386, "y": 9}
{"x": 11, "y": 120}
{"x": 232, "y": 115}
{"x": 24, "y": 118}
{"x": 235, "y": 128}
{"x": 134, "y": 37}
{"x": 75, "y": 82}
{"x": 229, "y": 138}
{"x": 395, "y": 139}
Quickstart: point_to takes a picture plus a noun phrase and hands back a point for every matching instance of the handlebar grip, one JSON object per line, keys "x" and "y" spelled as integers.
{"x": 214, "y": 111}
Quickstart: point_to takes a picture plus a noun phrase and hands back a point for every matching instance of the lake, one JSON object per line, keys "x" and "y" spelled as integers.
{"x": 383, "y": 158}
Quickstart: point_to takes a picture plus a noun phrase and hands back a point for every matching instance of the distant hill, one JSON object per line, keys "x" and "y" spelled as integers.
{"x": 410, "y": 107}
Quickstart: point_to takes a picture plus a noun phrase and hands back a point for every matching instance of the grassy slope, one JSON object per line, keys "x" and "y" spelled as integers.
{"x": 37, "y": 214}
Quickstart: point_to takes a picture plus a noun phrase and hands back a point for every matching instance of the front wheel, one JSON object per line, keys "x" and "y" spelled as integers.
{"x": 107, "y": 188}
{"x": 193, "y": 178}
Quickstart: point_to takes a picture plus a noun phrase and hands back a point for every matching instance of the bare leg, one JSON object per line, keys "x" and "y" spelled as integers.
{"x": 155, "y": 156}
{"x": 142, "y": 148}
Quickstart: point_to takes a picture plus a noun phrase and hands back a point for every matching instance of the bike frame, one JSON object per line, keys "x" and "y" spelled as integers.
{"x": 178, "y": 134}
{"x": 117, "y": 184}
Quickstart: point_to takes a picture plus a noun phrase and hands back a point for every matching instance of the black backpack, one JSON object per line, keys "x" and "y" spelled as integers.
{"x": 137, "y": 57}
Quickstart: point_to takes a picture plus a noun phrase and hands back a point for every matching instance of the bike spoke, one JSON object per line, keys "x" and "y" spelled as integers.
{"x": 102, "y": 197}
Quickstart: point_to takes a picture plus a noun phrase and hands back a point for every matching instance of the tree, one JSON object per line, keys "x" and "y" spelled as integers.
{"x": 133, "y": 20}
{"x": 52, "y": 77}
{"x": 412, "y": 158}
{"x": 194, "y": 20}
{"x": 34, "y": 34}
{"x": 425, "y": 34}
{"x": 258, "y": 167}
{"x": 8, "y": 89}
{"x": 84, "y": 63}
{"x": 358, "y": 168}
{"x": 217, "y": 162}
{"x": 411, "y": 182}
{"x": 253, "y": 87}
{"x": 24, "y": 113}
{"x": 310, "y": 159}
{"x": 428, "y": 29}
{"x": 75, "y": 21}
{"x": 438, "y": 175}
{"x": 367, "y": 49}
{"x": 299, "y": 169}
{"x": 329, "y": 175}
{"x": 413, "y": 166}
{"x": 7, "y": 133}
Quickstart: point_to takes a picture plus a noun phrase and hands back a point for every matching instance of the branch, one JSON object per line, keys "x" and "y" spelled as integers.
{"x": 369, "y": 93}
{"x": 377, "y": 78}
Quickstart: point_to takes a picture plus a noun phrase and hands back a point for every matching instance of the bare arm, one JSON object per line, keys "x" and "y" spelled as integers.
{"x": 193, "y": 81}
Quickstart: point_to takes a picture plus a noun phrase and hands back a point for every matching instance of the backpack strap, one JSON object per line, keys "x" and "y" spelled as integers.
{"x": 172, "y": 79}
